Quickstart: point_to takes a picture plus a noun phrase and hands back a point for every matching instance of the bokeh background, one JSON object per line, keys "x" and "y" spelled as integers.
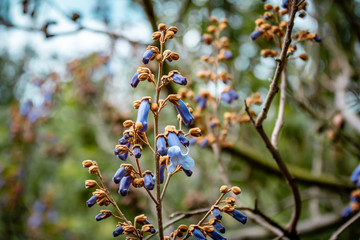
{"x": 65, "y": 70}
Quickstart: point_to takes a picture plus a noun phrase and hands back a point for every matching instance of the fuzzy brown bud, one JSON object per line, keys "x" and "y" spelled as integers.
{"x": 195, "y": 132}
{"x": 169, "y": 34}
{"x": 174, "y": 29}
{"x": 236, "y": 190}
{"x": 268, "y": 7}
{"x": 127, "y": 123}
{"x": 87, "y": 163}
{"x": 224, "y": 189}
{"x": 162, "y": 27}
{"x": 211, "y": 29}
{"x": 93, "y": 169}
{"x": 156, "y": 35}
{"x": 90, "y": 184}
{"x": 303, "y": 56}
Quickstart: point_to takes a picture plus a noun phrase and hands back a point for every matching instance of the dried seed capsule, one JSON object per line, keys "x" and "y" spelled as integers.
{"x": 224, "y": 189}
{"x": 156, "y": 35}
{"x": 90, "y": 184}
{"x": 93, "y": 169}
{"x": 162, "y": 27}
{"x": 87, "y": 163}
{"x": 236, "y": 190}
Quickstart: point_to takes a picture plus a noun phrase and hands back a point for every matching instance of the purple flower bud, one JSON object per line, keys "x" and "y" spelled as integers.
{"x": 346, "y": 212}
{"x": 135, "y": 80}
{"x": 355, "y": 175}
{"x": 124, "y": 185}
{"x": 204, "y": 143}
{"x": 218, "y": 226}
{"x": 233, "y": 94}
{"x": 228, "y": 54}
{"x": 120, "y": 173}
{"x": 124, "y": 139}
{"x": 100, "y": 216}
{"x": 179, "y": 79}
{"x": 317, "y": 39}
{"x": 216, "y": 236}
{"x": 118, "y": 231}
{"x": 184, "y": 141}
{"x": 213, "y": 124}
{"x": 117, "y": 151}
{"x": 161, "y": 146}
{"x": 225, "y": 96}
{"x": 162, "y": 171}
{"x": 216, "y": 213}
{"x": 285, "y": 4}
{"x": 198, "y": 234}
{"x": 143, "y": 113}
{"x": 238, "y": 216}
{"x": 151, "y": 230}
{"x": 91, "y": 202}
{"x": 148, "y": 54}
{"x": 137, "y": 152}
{"x": 255, "y": 34}
{"x": 187, "y": 172}
{"x": 184, "y": 112}
{"x": 148, "y": 182}
{"x": 125, "y": 154}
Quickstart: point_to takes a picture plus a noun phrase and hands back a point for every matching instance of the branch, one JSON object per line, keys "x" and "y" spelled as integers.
{"x": 344, "y": 226}
{"x": 280, "y": 119}
{"x": 289, "y": 179}
{"x": 274, "y": 87}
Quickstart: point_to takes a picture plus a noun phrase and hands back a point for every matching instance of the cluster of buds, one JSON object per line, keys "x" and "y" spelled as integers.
{"x": 213, "y": 227}
{"x": 354, "y": 205}
{"x": 272, "y": 27}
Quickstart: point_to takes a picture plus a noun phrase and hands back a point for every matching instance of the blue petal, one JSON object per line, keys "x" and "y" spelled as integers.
{"x": 171, "y": 168}
{"x": 187, "y": 162}
{"x": 174, "y": 151}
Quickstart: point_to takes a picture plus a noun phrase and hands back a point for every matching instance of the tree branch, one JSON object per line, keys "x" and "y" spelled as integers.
{"x": 344, "y": 226}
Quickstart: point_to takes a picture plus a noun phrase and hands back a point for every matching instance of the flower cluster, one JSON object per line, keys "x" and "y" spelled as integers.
{"x": 167, "y": 147}
{"x": 272, "y": 28}
{"x": 354, "y": 205}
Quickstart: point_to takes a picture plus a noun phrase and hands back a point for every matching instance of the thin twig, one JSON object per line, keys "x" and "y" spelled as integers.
{"x": 274, "y": 86}
{"x": 280, "y": 119}
{"x": 344, "y": 226}
{"x": 165, "y": 186}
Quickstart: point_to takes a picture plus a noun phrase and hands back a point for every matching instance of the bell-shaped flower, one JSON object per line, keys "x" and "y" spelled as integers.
{"x": 177, "y": 157}
{"x": 228, "y": 54}
{"x": 124, "y": 155}
{"x": 177, "y": 78}
{"x": 162, "y": 174}
{"x": 91, "y": 202}
{"x": 137, "y": 152}
{"x": 228, "y": 95}
{"x": 118, "y": 231}
{"x": 173, "y": 140}
{"x": 216, "y": 213}
{"x": 201, "y": 100}
{"x": 215, "y": 235}
{"x": 184, "y": 112}
{"x": 198, "y": 234}
{"x": 124, "y": 185}
{"x": 135, "y": 80}
{"x": 355, "y": 175}
{"x": 148, "y": 54}
{"x": 238, "y": 216}
{"x": 119, "y": 174}
{"x": 148, "y": 181}
{"x": 255, "y": 34}
{"x": 218, "y": 226}
{"x": 161, "y": 146}
{"x": 143, "y": 113}
{"x": 184, "y": 141}
{"x": 187, "y": 172}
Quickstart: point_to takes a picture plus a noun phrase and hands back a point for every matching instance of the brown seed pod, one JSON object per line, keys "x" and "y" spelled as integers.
{"x": 127, "y": 123}
{"x": 224, "y": 189}
{"x": 236, "y": 190}
{"x": 162, "y": 27}
{"x": 156, "y": 35}
{"x": 87, "y": 163}
{"x": 173, "y": 29}
{"x": 90, "y": 184}
{"x": 303, "y": 56}
{"x": 268, "y": 7}
{"x": 93, "y": 169}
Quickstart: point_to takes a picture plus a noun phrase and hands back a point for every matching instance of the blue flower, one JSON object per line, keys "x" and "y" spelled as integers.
{"x": 135, "y": 80}
{"x": 285, "y": 4}
{"x": 317, "y": 39}
{"x": 201, "y": 100}
{"x": 177, "y": 78}
{"x": 143, "y": 113}
{"x": 124, "y": 155}
{"x": 187, "y": 172}
{"x": 184, "y": 112}
{"x": 238, "y": 216}
{"x": 228, "y": 95}
{"x": 120, "y": 173}
{"x": 178, "y": 158}
{"x": 148, "y": 181}
{"x": 218, "y": 226}
{"x": 137, "y": 152}
{"x": 255, "y": 34}
{"x": 124, "y": 185}
{"x": 151, "y": 230}
{"x": 91, "y": 202}
{"x": 161, "y": 146}
{"x": 124, "y": 139}
{"x": 162, "y": 171}
{"x": 184, "y": 141}
{"x": 118, "y": 231}
{"x": 204, "y": 143}
{"x": 216, "y": 236}
{"x": 228, "y": 54}
{"x": 198, "y": 234}
{"x": 102, "y": 215}
{"x": 216, "y": 213}
{"x": 225, "y": 96}
{"x": 355, "y": 175}
{"x": 148, "y": 54}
